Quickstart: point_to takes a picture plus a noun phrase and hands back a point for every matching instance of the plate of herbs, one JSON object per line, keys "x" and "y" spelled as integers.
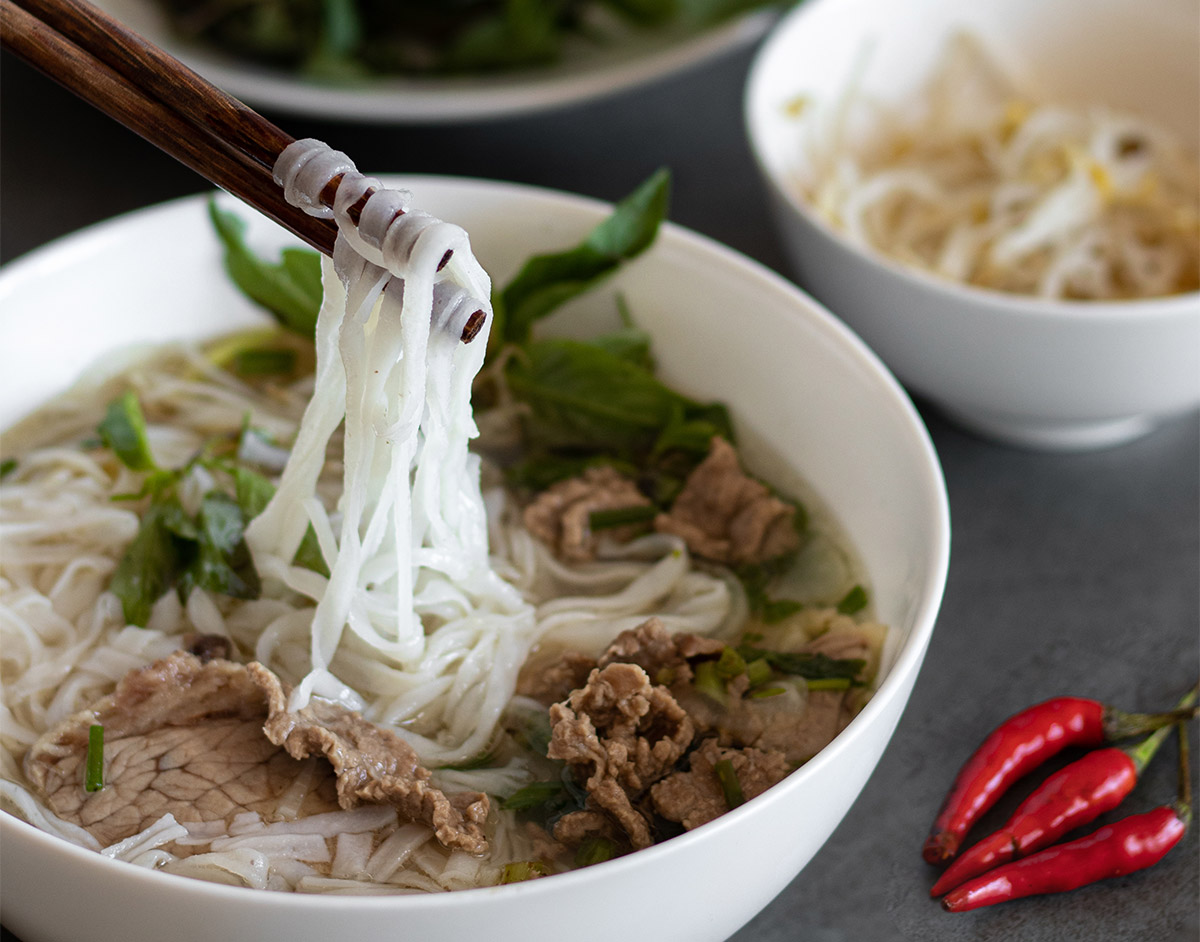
{"x": 439, "y": 61}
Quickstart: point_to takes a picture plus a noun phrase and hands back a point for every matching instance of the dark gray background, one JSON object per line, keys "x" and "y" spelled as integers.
{"x": 1069, "y": 573}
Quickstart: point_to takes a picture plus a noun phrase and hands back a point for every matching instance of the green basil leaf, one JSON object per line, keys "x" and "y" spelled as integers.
{"x": 290, "y": 289}
{"x": 151, "y": 563}
{"x": 586, "y": 397}
{"x": 546, "y": 281}
{"x": 220, "y": 560}
{"x": 254, "y": 492}
{"x": 853, "y": 601}
{"x": 522, "y": 32}
{"x": 341, "y": 33}
{"x": 629, "y": 344}
{"x": 123, "y": 429}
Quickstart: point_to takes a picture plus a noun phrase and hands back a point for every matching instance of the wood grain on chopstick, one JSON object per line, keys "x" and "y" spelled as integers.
{"x": 163, "y": 101}
{"x": 158, "y": 97}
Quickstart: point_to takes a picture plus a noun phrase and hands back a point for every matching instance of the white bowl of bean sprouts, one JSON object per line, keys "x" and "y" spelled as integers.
{"x": 1001, "y": 198}
{"x": 813, "y": 409}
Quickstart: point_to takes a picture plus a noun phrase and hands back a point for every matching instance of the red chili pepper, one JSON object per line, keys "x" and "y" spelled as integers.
{"x": 1019, "y": 745}
{"x": 1114, "y": 850}
{"x": 1074, "y": 796}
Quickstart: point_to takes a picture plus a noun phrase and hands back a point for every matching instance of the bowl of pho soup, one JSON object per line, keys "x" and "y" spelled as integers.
{"x": 367, "y": 679}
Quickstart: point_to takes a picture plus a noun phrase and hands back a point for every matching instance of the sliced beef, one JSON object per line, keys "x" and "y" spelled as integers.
{"x": 373, "y": 765}
{"x": 620, "y": 734}
{"x": 180, "y": 736}
{"x": 695, "y": 797}
{"x": 552, "y": 682}
{"x": 578, "y": 826}
{"x": 801, "y": 736}
{"x": 187, "y": 737}
{"x": 724, "y": 515}
{"x": 559, "y": 517}
{"x": 663, "y": 656}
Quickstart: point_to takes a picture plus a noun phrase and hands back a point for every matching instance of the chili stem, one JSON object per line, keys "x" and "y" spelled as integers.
{"x": 1143, "y": 752}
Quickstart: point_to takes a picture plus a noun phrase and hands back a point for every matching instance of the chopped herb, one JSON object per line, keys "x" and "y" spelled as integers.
{"x": 7, "y": 467}
{"x": 521, "y": 870}
{"x": 829, "y": 683}
{"x": 808, "y": 666}
{"x": 776, "y": 610}
{"x": 254, "y": 492}
{"x": 547, "y": 281}
{"x": 535, "y": 795}
{"x": 151, "y": 564}
{"x": 707, "y": 681}
{"x": 621, "y": 516}
{"x": 853, "y": 601}
{"x": 218, "y": 559}
{"x": 533, "y": 732}
{"x": 93, "y": 775}
{"x": 730, "y": 664}
{"x": 595, "y": 850}
{"x": 290, "y": 289}
{"x": 758, "y": 671}
{"x": 730, "y": 786}
{"x": 264, "y": 361}
{"x": 764, "y": 692}
{"x": 124, "y": 431}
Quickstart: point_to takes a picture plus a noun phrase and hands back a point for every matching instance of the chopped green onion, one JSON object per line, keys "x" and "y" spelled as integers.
{"x": 665, "y": 676}
{"x": 7, "y": 467}
{"x": 595, "y": 850}
{"x": 730, "y": 664}
{"x": 776, "y": 610}
{"x": 707, "y": 682}
{"x": 764, "y": 692}
{"x": 853, "y": 601}
{"x": 93, "y": 775}
{"x": 521, "y": 870}
{"x": 621, "y": 516}
{"x": 727, "y": 776}
{"x": 758, "y": 671}
{"x": 829, "y": 683}
{"x": 124, "y": 431}
{"x": 533, "y": 795}
{"x": 803, "y": 664}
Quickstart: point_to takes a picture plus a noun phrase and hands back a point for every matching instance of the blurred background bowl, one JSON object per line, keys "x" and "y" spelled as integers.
{"x": 807, "y": 399}
{"x": 1034, "y": 372}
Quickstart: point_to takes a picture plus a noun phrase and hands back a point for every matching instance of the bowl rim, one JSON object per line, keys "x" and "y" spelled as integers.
{"x": 903, "y": 669}
{"x": 758, "y": 113}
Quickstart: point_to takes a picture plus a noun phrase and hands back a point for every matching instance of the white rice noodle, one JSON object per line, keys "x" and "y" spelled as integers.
{"x": 980, "y": 182}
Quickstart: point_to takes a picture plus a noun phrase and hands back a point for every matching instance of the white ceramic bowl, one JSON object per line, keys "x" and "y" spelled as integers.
{"x": 1033, "y": 372}
{"x": 587, "y": 70}
{"x": 805, "y": 394}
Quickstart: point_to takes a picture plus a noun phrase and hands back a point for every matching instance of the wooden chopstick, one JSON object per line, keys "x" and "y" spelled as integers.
{"x": 159, "y": 98}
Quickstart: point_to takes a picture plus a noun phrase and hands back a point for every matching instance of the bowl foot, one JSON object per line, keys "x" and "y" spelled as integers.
{"x": 1050, "y": 434}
